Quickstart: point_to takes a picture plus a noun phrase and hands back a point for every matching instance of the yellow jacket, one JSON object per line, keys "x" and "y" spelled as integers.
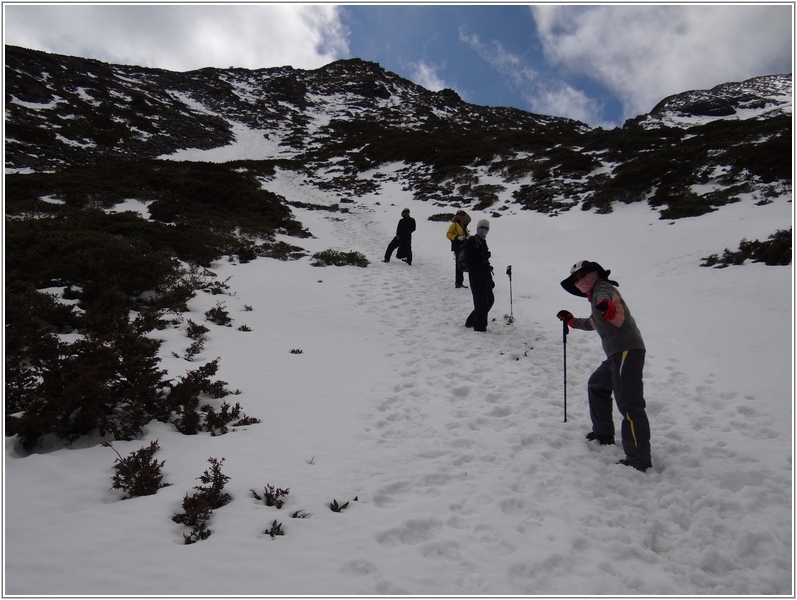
{"x": 455, "y": 230}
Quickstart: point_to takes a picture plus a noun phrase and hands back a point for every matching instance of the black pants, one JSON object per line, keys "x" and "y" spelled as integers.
{"x": 405, "y": 250}
{"x": 481, "y": 286}
{"x": 621, "y": 373}
{"x": 459, "y": 276}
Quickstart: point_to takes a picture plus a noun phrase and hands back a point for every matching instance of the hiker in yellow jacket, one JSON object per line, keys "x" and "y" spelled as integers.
{"x": 458, "y": 233}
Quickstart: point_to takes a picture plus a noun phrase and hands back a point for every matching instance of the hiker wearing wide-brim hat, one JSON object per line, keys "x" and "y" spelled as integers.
{"x": 457, "y": 233}
{"x": 621, "y": 372}
{"x": 583, "y": 267}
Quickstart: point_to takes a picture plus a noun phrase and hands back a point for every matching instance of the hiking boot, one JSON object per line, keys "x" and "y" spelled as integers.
{"x": 632, "y": 463}
{"x": 461, "y": 285}
{"x": 603, "y": 440}
{"x": 386, "y": 260}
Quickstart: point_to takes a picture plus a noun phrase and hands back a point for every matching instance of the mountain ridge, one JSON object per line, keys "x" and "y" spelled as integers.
{"x": 353, "y": 115}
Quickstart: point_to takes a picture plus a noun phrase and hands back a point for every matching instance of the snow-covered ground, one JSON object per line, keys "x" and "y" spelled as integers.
{"x": 467, "y": 479}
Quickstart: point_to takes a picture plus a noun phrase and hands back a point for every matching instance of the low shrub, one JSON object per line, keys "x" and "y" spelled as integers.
{"x": 273, "y": 495}
{"x": 339, "y": 259}
{"x": 214, "y": 481}
{"x": 216, "y": 422}
{"x": 138, "y": 474}
{"x": 777, "y": 250}
{"x": 219, "y": 315}
{"x": 199, "y": 506}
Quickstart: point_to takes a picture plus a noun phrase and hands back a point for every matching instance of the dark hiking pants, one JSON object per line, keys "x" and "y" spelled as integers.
{"x": 481, "y": 286}
{"x": 621, "y": 373}
{"x": 405, "y": 250}
{"x": 459, "y": 276}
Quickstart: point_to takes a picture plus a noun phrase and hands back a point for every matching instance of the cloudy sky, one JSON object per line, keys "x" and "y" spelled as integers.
{"x": 596, "y": 63}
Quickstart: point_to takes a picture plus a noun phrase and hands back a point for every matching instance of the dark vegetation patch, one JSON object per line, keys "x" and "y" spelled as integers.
{"x": 107, "y": 382}
{"x": 776, "y": 250}
{"x": 339, "y": 259}
{"x": 662, "y": 165}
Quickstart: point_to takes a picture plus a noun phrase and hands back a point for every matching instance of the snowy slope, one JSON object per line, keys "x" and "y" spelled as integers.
{"x": 756, "y": 98}
{"x": 468, "y": 481}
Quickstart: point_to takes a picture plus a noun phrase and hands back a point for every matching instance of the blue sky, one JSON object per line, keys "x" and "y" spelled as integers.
{"x": 600, "y": 64}
{"x": 490, "y": 55}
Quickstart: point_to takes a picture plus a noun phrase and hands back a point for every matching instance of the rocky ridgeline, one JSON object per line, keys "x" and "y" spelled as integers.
{"x": 64, "y": 111}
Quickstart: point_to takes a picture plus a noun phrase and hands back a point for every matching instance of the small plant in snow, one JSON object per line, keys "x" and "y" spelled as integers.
{"x": 139, "y": 474}
{"x": 276, "y": 529}
{"x": 214, "y": 482}
{"x": 199, "y": 532}
{"x": 299, "y": 514}
{"x": 195, "y": 331}
{"x": 216, "y": 422}
{"x": 194, "y": 349}
{"x": 273, "y": 495}
{"x": 296, "y": 351}
{"x": 219, "y": 315}
{"x": 198, "y": 507}
{"x": 244, "y": 328}
{"x": 337, "y": 508}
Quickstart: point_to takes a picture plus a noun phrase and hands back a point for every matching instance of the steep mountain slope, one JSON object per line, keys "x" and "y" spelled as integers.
{"x": 352, "y": 115}
{"x": 203, "y": 150}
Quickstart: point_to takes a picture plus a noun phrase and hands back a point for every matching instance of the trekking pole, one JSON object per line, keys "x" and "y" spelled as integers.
{"x": 564, "y": 348}
{"x": 511, "y": 315}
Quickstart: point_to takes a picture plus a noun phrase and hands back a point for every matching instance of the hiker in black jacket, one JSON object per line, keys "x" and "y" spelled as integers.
{"x": 480, "y": 275}
{"x": 403, "y": 239}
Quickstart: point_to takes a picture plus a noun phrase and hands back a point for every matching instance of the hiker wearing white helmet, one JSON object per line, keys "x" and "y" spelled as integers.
{"x": 480, "y": 276}
{"x": 621, "y": 372}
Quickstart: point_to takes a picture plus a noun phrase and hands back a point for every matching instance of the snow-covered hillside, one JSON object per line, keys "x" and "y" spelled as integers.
{"x": 450, "y": 446}
{"x": 756, "y": 98}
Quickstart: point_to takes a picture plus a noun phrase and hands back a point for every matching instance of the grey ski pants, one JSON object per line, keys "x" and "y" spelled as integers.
{"x": 621, "y": 374}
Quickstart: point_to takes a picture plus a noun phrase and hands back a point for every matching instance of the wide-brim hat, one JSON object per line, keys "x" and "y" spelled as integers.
{"x": 584, "y": 266}
{"x": 465, "y": 221}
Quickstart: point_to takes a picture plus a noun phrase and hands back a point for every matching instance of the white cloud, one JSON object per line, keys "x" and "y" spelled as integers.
{"x": 544, "y": 95}
{"x": 183, "y": 37}
{"x": 520, "y": 73}
{"x": 559, "y": 98}
{"x": 645, "y": 53}
{"x": 425, "y": 74}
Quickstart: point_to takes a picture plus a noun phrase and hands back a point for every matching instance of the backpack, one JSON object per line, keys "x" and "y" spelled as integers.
{"x": 462, "y": 263}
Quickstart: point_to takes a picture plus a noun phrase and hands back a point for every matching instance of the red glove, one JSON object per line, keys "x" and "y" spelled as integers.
{"x": 608, "y": 309}
{"x": 566, "y": 316}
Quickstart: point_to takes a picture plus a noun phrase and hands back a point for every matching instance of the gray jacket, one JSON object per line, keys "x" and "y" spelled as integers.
{"x": 619, "y": 334}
